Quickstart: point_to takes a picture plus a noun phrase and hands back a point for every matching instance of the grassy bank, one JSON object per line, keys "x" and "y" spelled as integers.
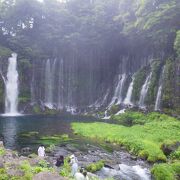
{"x": 145, "y": 136}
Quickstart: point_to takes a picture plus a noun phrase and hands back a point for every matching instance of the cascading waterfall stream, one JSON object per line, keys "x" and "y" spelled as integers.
{"x": 118, "y": 91}
{"x": 49, "y": 83}
{"x": 159, "y": 93}
{"x": 11, "y": 84}
{"x": 61, "y": 86}
{"x": 144, "y": 91}
{"x": 127, "y": 100}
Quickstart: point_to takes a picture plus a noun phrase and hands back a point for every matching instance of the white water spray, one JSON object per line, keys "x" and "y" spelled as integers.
{"x": 144, "y": 91}
{"x": 159, "y": 93}
{"x": 127, "y": 100}
{"x": 11, "y": 84}
{"x": 118, "y": 91}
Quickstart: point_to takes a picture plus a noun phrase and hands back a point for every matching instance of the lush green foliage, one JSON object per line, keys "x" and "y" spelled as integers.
{"x": 95, "y": 166}
{"x": 66, "y": 169}
{"x": 113, "y": 110}
{"x": 153, "y": 86}
{"x": 144, "y": 141}
{"x": 2, "y": 151}
{"x": 140, "y": 77}
{"x": 29, "y": 134}
{"x": 166, "y": 171}
{"x": 177, "y": 43}
{"x": 168, "y": 93}
{"x": 175, "y": 155}
{"x": 55, "y": 139}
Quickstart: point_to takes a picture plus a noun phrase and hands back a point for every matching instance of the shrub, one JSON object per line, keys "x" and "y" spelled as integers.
{"x": 95, "y": 166}
{"x": 163, "y": 172}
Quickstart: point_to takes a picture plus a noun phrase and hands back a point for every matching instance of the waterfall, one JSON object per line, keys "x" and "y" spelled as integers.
{"x": 118, "y": 91}
{"x": 61, "y": 86}
{"x": 127, "y": 100}
{"x": 11, "y": 84}
{"x": 159, "y": 93}
{"x": 32, "y": 87}
{"x": 49, "y": 83}
{"x": 144, "y": 90}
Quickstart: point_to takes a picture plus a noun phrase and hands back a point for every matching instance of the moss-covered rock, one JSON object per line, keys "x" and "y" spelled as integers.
{"x": 153, "y": 86}
{"x": 95, "y": 166}
{"x": 139, "y": 79}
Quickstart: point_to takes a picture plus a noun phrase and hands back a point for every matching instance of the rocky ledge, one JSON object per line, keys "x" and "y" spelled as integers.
{"x": 13, "y": 166}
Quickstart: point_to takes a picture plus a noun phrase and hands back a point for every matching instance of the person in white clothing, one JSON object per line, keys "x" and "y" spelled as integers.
{"x": 41, "y": 151}
{"x": 74, "y": 164}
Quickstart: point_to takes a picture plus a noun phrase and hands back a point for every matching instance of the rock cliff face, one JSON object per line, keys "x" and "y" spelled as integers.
{"x": 79, "y": 55}
{"x": 78, "y": 85}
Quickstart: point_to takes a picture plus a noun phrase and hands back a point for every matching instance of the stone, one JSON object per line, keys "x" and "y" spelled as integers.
{"x": 48, "y": 176}
{"x": 168, "y": 149}
{"x": 15, "y": 172}
{"x": 1, "y": 165}
{"x": 1, "y": 144}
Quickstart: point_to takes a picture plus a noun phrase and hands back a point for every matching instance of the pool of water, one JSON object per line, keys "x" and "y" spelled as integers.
{"x": 12, "y": 127}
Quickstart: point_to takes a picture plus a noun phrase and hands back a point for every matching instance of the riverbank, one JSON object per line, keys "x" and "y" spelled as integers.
{"x": 15, "y": 167}
{"x": 153, "y": 137}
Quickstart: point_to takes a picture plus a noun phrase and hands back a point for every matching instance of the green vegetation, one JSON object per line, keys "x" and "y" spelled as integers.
{"x": 2, "y": 151}
{"x": 175, "y": 155}
{"x": 29, "y": 134}
{"x": 36, "y": 109}
{"x": 144, "y": 141}
{"x": 50, "y": 148}
{"x": 130, "y": 118}
{"x": 95, "y": 166}
{"x": 140, "y": 77}
{"x": 5, "y": 52}
{"x": 113, "y": 110}
{"x": 54, "y": 139}
{"x": 28, "y": 170}
{"x": 177, "y": 43}
{"x": 168, "y": 92}
{"x": 153, "y": 86}
{"x": 66, "y": 169}
{"x": 166, "y": 171}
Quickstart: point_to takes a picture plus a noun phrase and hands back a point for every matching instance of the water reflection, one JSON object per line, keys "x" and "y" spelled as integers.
{"x": 9, "y": 132}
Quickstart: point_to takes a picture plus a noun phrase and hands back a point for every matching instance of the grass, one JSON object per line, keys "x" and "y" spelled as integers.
{"x": 166, "y": 171}
{"x": 144, "y": 141}
{"x": 54, "y": 139}
{"x": 2, "y": 151}
{"x": 29, "y": 134}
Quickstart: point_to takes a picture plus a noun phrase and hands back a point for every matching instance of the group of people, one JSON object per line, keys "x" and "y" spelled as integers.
{"x": 78, "y": 175}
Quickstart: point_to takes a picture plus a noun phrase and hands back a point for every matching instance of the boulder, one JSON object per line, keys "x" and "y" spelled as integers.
{"x": 48, "y": 176}
{"x": 169, "y": 148}
{"x": 15, "y": 172}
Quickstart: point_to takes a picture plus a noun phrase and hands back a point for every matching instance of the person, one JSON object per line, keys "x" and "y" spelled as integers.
{"x": 60, "y": 161}
{"x": 74, "y": 164}
{"x": 41, "y": 151}
{"x": 79, "y": 175}
{"x": 85, "y": 175}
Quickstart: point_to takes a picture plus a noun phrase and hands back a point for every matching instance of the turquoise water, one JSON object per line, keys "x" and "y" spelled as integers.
{"x": 11, "y": 128}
